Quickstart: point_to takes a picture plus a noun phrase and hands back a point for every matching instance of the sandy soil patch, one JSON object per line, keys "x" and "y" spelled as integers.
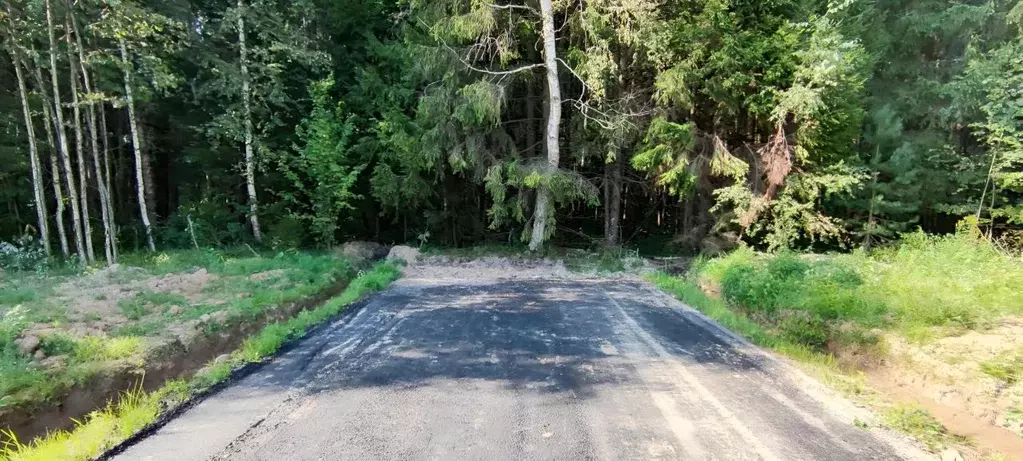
{"x": 945, "y": 377}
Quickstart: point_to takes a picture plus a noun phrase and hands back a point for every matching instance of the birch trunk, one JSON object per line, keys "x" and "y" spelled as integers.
{"x": 109, "y": 242}
{"x": 33, "y": 155}
{"x": 58, "y": 192}
{"x": 544, "y": 207}
{"x": 111, "y": 197}
{"x": 76, "y": 110}
{"x": 137, "y": 147}
{"x": 250, "y": 167}
{"x": 58, "y": 119}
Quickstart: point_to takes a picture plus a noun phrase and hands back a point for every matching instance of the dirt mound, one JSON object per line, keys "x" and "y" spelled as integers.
{"x": 488, "y": 268}
{"x": 187, "y": 285}
{"x": 360, "y": 251}
{"x": 404, "y": 253}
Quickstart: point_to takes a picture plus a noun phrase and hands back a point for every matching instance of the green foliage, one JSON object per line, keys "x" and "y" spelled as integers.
{"x": 25, "y": 254}
{"x": 788, "y": 124}
{"x": 666, "y": 155}
{"x": 918, "y": 288}
{"x": 917, "y": 422}
{"x": 1007, "y": 367}
{"x": 323, "y": 173}
{"x": 807, "y": 302}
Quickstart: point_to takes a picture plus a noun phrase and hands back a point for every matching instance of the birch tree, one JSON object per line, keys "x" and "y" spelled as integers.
{"x": 39, "y": 198}
{"x": 62, "y": 142}
{"x": 250, "y": 166}
{"x": 136, "y": 144}
{"x": 132, "y": 28}
{"x": 58, "y": 190}
{"x": 543, "y": 210}
{"x": 76, "y": 111}
{"x": 102, "y": 185}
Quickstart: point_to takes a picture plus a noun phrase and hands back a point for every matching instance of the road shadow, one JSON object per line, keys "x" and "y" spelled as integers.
{"x": 531, "y": 336}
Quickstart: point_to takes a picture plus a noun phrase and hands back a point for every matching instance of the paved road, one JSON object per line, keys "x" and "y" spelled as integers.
{"x": 518, "y": 370}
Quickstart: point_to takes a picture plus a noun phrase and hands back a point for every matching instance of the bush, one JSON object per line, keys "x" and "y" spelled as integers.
{"x": 24, "y": 254}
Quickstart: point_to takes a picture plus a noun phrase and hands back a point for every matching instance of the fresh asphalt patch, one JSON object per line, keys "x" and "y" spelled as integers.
{"x": 513, "y": 370}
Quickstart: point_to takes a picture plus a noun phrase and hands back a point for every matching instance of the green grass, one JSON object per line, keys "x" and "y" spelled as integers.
{"x": 810, "y": 307}
{"x": 105, "y": 428}
{"x": 924, "y": 288}
{"x": 30, "y": 298}
{"x": 1007, "y": 367}
{"x": 920, "y": 424}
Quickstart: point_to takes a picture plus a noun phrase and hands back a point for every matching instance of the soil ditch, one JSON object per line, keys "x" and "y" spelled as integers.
{"x": 175, "y": 358}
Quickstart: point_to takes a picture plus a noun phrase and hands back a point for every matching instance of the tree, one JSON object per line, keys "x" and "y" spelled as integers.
{"x": 324, "y": 171}
{"x": 543, "y": 209}
{"x": 39, "y": 198}
{"x": 102, "y": 185}
{"x": 74, "y": 86}
{"x": 250, "y": 163}
{"x": 63, "y": 152}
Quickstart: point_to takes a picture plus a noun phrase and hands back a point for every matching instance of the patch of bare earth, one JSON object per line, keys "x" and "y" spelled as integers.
{"x": 92, "y": 301}
{"x": 945, "y": 377}
{"x": 487, "y": 268}
{"x": 502, "y": 268}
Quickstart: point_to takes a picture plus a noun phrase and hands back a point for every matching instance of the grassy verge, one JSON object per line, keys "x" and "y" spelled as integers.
{"x": 837, "y": 313}
{"x": 136, "y": 409}
{"x": 102, "y": 319}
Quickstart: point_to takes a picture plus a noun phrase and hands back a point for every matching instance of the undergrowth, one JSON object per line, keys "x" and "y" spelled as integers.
{"x": 814, "y": 308}
{"x": 927, "y": 287}
{"x": 136, "y": 409}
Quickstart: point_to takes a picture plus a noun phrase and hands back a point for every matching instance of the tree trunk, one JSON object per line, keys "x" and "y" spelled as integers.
{"x": 76, "y": 110}
{"x": 613, "y": 201}
{"x": 69, "y": 175}
{"x": 108, "y": 179}
{"x": 101, "y": 184}
{"x": 33, "y": 155}
{"x": 531, "y": 147}
{"x": 147, "y": 167}
{"x": 544, "y": 207}
{"x": 58, "y": 192}
{"x": 111, "y": 195}
{"x": 137, "y": 147}
{"x": 250, "y": 167}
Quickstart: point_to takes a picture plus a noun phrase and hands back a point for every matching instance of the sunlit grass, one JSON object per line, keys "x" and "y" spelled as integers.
{"x": 136, "y": 409}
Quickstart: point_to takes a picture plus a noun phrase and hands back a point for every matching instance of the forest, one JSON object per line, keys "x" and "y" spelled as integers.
{"x": 840, "y": 182}
{"x": 665, "y": 125}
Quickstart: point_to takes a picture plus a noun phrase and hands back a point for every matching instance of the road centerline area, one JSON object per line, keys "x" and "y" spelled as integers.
{"x": 513, "y": 369}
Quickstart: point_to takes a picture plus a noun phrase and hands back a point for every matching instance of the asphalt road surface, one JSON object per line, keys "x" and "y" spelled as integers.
{"x": 520, "y": 370}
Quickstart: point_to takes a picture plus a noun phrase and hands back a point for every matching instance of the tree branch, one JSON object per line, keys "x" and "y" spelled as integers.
{"x": 515, "y": 7}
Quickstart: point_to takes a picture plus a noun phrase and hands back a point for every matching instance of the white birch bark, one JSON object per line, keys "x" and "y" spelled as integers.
{"x": 136, "y": 146}
{"x": 544, "y": 207}
{"x": 76, "y": 111}
{"x": 250, "y": 167}
{"x": 63, "y": 151}
{"x": 33, "y": 155}
{"x": 58, "y": 191}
